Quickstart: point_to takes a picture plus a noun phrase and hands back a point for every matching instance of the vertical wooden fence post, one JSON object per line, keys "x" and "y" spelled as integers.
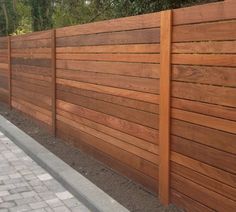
{"x": 9, "y": 72}
{"x": 53, "y": 82}
{"x": 165, "y": 82}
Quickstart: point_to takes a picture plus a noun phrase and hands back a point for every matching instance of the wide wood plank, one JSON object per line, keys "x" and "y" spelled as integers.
{"x": 130, "y": 159}
{"x": 205, "y": 13}
{"x": 126, "y": 37}
{"x": 32, "y": 112}
{"x": 204, "y": 135}
{"x": 124, "y": 82}
{"x": 201, "y": 194}
{"x": 130, "y": 103}
{"x": 32, "y": 62}
{"x": 120, "y": 68}
{"x": 146, "y": 97}
{"x": 205, "y": 154}
{"x": 110, "y": 131}
{"x": 219, "y": 111}
{"x": 204, "y": 120}
{"x": 129, "y": 23}
{"x": 205, "y": 32}
{"x": 42, "y": 43}
{"x": 205, "y": 169}
{"x": 204, "y": 180}
{"x": 133, "y": 129}
{"x": 139, "y": 117}
{"x": 205, "y": 93}
{"x": 44, "y": 71}
{"x": 111, "y": 140}
{"x": 222, "y": 76}
{"x": 187, "y": 203}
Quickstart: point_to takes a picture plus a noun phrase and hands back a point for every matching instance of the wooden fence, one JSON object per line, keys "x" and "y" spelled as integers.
{"x": 152, "y": 96}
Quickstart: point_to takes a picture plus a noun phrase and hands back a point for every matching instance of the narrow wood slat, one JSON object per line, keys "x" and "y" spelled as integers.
{"x": 135, "y": 48}
{"x": 208, "y": 59}
{"x": 214, "y": 47}
{"x": 136, "y": 58}
{"x": 165, "y": 81}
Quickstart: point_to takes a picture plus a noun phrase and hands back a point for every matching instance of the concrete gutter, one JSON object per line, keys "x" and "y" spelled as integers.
{"x": 86, "y": 192}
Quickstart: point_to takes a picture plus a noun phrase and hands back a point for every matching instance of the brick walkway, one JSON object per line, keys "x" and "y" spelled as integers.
{"x": 25, "y": 186}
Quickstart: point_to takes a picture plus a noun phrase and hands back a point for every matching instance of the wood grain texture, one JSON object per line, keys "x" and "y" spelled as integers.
{"x": 205, "y": 13}
{"x": 165, "y": 83}
{"x": 120, "y": 68}
{"x": 120, "y": 24}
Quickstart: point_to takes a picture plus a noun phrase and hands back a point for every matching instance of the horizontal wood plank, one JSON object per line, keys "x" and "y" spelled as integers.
{"x": 125, "y": 37}
{"x": 119, "y": 68}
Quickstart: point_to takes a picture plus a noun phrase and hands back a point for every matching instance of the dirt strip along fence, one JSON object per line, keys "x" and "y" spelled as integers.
{"x": 152, "y": 96}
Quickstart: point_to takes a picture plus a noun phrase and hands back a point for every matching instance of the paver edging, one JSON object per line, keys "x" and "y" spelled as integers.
{"x": 88, "y": 193}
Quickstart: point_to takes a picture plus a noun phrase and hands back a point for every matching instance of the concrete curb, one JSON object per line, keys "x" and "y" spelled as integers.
{"x": 88, "y": 193}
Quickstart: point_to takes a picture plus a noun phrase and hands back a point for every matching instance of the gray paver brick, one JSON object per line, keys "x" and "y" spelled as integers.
{"x": 25, "y": 186}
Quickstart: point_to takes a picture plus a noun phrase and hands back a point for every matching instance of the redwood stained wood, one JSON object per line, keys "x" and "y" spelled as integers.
{"x": 225, "y": 96}
{"x": 124, "y": 37}
{"x": 205, "y": 154}
{"x": 204, "y": 181}
{"x": 165, "y": 92}
{"x": 110, "y": 131}
{"x": 121, "y": 24}
{"x": 205, "y": 169}
{"x": 132, "y": 48}
{"x": 222, "y": 76}
{"x": 119, "y": 68}
{"x": 116, "y": 81}
{"x": 204, "y": 135}
{"x": 214, "y": 47}
{"x": 111, "y": 140}
{"x": 138, "y": 58}
{"x": 187, "y": 203}
{"x": 129, "y": 103}
{"x": 201, "y": 194}
{"x": 205, "y": 13}
{"x": 146, "y": 97}
{"x": 128, "y": 171}
{"x": 139, "y": 117}
{"x": 131, "y": 128}
{"x": 204, "y": 120}
{"x": 219, "y": 111}
{"x": 224, "y": 30}
{"x": 135, "y": 162}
